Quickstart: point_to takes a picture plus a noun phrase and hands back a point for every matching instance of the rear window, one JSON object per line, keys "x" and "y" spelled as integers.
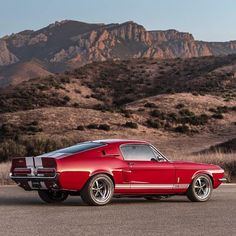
{"x": 77, "y": 148}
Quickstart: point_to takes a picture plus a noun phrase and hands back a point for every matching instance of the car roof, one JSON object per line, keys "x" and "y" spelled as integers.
{"x": 120, "y": 141}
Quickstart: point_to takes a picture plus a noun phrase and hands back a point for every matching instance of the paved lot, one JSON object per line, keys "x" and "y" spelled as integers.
{"x": 23, "y": 213}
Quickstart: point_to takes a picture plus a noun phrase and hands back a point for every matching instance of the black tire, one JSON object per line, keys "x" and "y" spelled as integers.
{"x": 196, "y": 193}
{"x": 50, "y": 196}
{"x": 98, "y": 191}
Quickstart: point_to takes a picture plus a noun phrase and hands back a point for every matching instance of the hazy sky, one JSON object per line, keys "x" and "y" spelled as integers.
{"x": 212, "y": 20}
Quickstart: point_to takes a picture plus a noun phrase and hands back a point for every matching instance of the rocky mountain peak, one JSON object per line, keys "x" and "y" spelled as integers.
{"x": 69, "y": 43}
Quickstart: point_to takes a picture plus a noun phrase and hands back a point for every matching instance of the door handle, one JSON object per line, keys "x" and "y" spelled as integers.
{"x": 130, "y": 163}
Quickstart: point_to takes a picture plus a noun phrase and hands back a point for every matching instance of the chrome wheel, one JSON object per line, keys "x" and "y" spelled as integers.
{"x": 200, "y": 189}
{"x": 101, "y": 190}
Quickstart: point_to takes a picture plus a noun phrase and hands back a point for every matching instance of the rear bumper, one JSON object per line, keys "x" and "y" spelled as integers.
{"x": 36, "y": 182}
{"x": 38, "y": 178}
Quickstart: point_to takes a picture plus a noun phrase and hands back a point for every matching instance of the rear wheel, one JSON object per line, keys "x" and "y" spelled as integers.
{"x": 50, "y": 196}
{"x": 98, "y": 191}
{"x": 201, "y": 189}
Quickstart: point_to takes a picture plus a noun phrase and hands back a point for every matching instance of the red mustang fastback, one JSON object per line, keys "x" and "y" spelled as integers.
{"x": 99, "y": 170}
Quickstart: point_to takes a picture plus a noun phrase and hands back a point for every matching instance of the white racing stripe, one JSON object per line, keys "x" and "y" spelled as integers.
{"x": 122, "y": 186}
{"x": 30, "y": 184}
{"x": 42, "y": 185}
{"x": 152, "y": 186}
{"x": 29, "y": 162}
{"x": 38, "y": 162}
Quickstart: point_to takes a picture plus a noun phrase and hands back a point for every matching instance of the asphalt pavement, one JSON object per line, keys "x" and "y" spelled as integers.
{"x": 23, "y": 213}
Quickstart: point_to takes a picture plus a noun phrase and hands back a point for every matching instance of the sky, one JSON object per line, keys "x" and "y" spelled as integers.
{"x": 208, "y": 20}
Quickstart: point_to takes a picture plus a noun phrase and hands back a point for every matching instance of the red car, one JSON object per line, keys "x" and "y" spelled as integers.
{"x": 99, "y": 170}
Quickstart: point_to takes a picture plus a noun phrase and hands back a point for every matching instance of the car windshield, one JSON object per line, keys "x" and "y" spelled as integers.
{"x": 76, "y": 148}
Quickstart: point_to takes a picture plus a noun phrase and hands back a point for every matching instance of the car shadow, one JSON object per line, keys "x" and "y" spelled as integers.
{"x": 76, "y": 201}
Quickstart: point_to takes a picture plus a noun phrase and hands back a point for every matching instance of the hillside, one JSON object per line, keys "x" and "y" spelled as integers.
{"x": 158, "y": 119}
{"x": 182, "y": 105}
{"x": 69, "y": 44}
{"x": 110, "y": 85}
{"x": 19, "y": 72}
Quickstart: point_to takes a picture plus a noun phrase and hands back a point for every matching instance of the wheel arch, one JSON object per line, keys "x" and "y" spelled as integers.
{"x": 109, "y": 174}
{"x": 197, "y": 173}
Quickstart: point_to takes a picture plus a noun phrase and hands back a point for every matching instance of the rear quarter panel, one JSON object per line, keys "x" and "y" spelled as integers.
{"x": 75, "y": 170}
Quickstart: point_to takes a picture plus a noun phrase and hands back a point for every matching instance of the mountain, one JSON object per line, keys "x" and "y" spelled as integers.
{"x": 70, "y": 44}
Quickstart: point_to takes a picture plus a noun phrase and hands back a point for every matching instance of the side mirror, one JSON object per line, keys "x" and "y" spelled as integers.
{"x": 153, "y": 159}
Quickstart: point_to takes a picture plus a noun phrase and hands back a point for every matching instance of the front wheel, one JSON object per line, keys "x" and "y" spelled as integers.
{"x": 201, "y": 189}
{"x": 98, "y": 191}
{"x": 50, "y": 196}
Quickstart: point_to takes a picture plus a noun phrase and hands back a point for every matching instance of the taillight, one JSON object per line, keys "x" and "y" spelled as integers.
{"x": 49, "y": 162}
{"x": 18, "y": 163}
{"x": 21, "y": 171}
{"x": 46, "y": 172}
{"x": 49, "y": 167}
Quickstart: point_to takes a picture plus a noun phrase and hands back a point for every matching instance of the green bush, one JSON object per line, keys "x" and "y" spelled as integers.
{"x": 153, "y": 124}
{"x": 179, "y": 106}
{"x": 182, "y": 129}
{"x": 66, "y": 98}
{"x": 10, "y": 149}
{"x": 150, "y": 105}
{"x": 32, "y": 128}
{"x": 195, "y": 120}
{"x": 31, "y": 146}
{"x": 157, "y": 113}
{"x": 213, "y": 110}
{"x": 130, "y": 124}
{"x": 218, "y": 116}
{"x": 172, "y": 117}
{"x": 105, "y": 127}
{"x": 186, "y": 112}
{"x": 80, "y": 127}
{"x": 92, "y": 126}
{"x": 222, "y": 109}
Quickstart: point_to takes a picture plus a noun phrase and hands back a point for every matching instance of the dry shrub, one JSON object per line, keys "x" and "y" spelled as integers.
{"x": 4, "y": 173}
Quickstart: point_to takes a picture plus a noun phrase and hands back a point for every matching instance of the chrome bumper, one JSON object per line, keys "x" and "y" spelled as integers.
{"x": 33, "y": 177}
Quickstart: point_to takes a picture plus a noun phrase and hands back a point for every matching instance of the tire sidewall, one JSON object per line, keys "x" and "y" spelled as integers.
{"x": 210, "y": 188}
{"x": 93, "y": 200}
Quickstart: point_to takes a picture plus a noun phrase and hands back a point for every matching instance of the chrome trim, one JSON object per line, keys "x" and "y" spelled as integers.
{"x": 151, "y": 186}
{"x": 223, "y": 180}
{"x": 32, "y": 177}
{"x": 153, "y": 149}
{"x": 161, "y": 154}
{"x": 68, "y": 154}
{"x": 216, "y": 171}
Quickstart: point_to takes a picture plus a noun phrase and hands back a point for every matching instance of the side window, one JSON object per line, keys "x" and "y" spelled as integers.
{"x": 159, "y": 157}
{"x": 137, "y": 152}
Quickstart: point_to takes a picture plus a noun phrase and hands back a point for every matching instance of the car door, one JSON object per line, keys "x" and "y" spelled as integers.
{"x": 147, "y": 172}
